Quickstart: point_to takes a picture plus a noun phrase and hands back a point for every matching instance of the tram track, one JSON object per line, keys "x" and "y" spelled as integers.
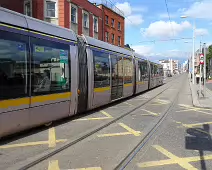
{"x": 39, "y": 158}
{"x": 127, "y": 160}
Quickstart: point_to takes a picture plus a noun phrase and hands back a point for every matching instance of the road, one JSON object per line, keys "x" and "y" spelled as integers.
{"x": 158, "y": 129}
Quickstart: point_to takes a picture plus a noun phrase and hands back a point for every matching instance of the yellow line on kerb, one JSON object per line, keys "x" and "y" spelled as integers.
{"x": 196, "y": 124}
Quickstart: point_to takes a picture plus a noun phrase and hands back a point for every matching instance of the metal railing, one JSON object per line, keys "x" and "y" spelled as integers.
{"x": 112, "y": 6}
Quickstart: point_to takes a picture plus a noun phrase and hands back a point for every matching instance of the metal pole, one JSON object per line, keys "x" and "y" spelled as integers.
{"x": 204, "y": 69}
{"x": 200, "y": 75}
{"x": 193, "y": 79}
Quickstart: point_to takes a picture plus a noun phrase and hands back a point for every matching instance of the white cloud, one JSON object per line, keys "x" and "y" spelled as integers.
{"x": 201, "y": 31}
{"x": 125, "y": 7}
{"x": 164, "y": 29}
{"x": 131, "y": 19}
{"x": 200, "y": 10}
{"x": 142, "y": 49}
{"x": 134, "y": 20}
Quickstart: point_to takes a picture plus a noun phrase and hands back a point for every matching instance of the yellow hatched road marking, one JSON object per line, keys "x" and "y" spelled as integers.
{"x": 196, "y": 124}
{"x": 128, "y": 104}
{"x": 52, "y": 138}
{"x": 183, "y": 162}
{"x": 135, "y": 133}
{"x": 51, "y": 142}
{"x": 150, "y": 113}
{"x": 54, "y": 165}
{"x": 106, "y": 114}
{"x": 114, "y": 134}
{"x": 96, "y": 118}
{"x": 30, "y": 144}
{"x": 130, "y": 132}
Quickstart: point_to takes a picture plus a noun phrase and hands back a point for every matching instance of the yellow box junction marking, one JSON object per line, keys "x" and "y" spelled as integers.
{"x": 183, "y": 162}
{"x": 160, "y": 102}
{"x": 149, "y": 113}
{"x": 51, "y": 142}
{"x": 108, "y": 116}
{"x": 193, "y": 125}
{"x": 130, "y": 131}
{"x": 129, "y": 104}
{"x": 191, "y": 108}
{"x": 54, "y": 165}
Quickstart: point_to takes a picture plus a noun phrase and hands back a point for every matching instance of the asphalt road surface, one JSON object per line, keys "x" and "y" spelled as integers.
{"x": 159, "y": 129}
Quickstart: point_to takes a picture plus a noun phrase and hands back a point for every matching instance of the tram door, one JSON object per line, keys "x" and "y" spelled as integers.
{"x": 83, "y": 77}
{"x": 117, "y": 77}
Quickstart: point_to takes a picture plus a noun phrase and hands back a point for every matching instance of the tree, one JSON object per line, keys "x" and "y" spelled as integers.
{"x": 208, "y": 58}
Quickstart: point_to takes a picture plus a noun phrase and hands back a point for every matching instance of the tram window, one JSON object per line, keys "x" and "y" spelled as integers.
{"x": 143, "y": 70}
{"x": 155, "y": 69}
{"x": 13, "y": 65}
{"x": 101, "y": 69}
{"x": 50, "y": 67}
{"x": 152, "y": 69}
{"x": 128, "y": 70}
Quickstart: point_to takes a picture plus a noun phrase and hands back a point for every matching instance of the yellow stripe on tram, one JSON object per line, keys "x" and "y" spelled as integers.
{"x": 128, "y": 85}
{"x": 51, "y": 97}
{"x": 37, "y": 99}
{"x": 141, "y": 82}
{"x": 14, "y": 103}
{"x": 101, "y": 89}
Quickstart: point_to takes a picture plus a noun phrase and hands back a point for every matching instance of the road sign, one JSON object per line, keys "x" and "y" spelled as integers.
{"x": 201, "y": 59}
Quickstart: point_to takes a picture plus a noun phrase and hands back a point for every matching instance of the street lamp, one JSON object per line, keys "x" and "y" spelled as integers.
{"x": 193, "y": 47}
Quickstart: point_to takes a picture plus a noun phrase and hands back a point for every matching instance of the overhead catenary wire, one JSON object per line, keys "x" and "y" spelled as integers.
{"x": 171, "y": 39}
{"x": 167, "y": 9}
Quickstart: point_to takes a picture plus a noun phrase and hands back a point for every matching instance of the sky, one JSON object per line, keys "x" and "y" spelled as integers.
{"x": 147, "y": 25}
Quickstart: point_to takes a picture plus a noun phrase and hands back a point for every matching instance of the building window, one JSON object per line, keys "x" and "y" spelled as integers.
{"x": 112, "y": 22}
{"x": 119, "y": 41}
{"x": 28, "y": 8}
{"x": 95, "y": 24}
{"x": 73, "y": 14}
{"x": 113, "y": 38}
{"x": 119, "y": 26}
{"x": 85, "y": 20}
{"x": 107, "y": 36}
{"x": 51, "y": 9}
{"x": 106, "y": 20}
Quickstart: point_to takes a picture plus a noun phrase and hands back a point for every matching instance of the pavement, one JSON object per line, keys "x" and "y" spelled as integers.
{"x": 198, "y": 98}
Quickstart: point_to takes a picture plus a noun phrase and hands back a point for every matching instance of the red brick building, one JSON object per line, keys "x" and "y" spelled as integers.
{"x": 113, "y": 27}
{"x": 79, "y": 15}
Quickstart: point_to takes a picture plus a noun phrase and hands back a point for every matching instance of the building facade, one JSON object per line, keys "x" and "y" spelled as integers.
{"x": 113, "y": 27}
{"x": 170, "y": 66}
{"x": 82, "y": 16}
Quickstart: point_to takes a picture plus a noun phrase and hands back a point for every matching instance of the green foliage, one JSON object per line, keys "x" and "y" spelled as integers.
{"x": 209, "y": 55}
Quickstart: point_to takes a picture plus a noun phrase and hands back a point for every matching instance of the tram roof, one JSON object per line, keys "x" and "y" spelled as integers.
{"x": 101, "y": 44}
{"x": 20, "y": 20}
